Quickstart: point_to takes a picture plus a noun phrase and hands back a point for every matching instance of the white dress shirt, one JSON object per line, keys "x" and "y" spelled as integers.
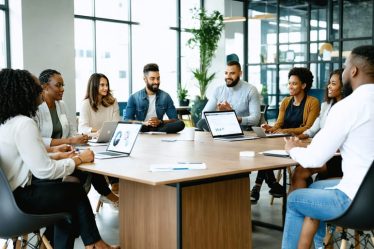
{"x": 44, "y": 121}
{"x": 349, "y": 128}
{"x": 22, "y": 153}
{"x": 89, "y": 119}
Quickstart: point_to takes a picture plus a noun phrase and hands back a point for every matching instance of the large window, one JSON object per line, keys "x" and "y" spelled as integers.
{"x": 282, "y": 35}
{"x": 113, "y": 39}
{"x": 155, "y": 42}
{"x": 4, "y": 35}
{"x": 102, "y": 45}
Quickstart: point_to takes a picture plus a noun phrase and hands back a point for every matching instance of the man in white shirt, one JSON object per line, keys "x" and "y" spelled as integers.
{"x": 236, "y": 95}
{"x": 349, "y": 129}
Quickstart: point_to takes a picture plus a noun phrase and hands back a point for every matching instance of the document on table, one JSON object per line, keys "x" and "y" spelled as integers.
{"x": 176, "y": 166}
{"x": 277, "y": 153}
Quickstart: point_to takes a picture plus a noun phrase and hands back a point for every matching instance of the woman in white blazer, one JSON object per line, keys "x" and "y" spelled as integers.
{"x": 56, "y": 124}
{"x": 57, "y": 128}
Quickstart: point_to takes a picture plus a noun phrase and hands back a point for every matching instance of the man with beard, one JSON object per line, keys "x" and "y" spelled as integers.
{"x": 349, "y": 129}
{"x": 150, "y": 104}
{"x": 236, "y": 95}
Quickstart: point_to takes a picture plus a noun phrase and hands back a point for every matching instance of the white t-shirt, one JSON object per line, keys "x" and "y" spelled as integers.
{"x": 151, "y": 108}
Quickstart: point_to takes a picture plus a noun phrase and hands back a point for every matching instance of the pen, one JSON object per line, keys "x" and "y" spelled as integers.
{"x": 189, "y": 163}
{"x": 180, "y": 168}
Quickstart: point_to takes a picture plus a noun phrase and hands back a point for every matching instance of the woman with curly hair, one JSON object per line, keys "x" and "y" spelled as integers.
{"x": 34, "y": 177}
{"x": 56, "y": 124}
{"x": 296, "y": 114}
{"x": 333, "y": 94}
{"x": 98, "y": 106}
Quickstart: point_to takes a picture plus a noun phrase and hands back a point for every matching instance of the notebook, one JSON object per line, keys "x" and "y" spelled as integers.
{"x": 122, "y": 141}
{"x": 106, "y": 132}
{"x": 261, "y": 133}
{"x": 224, "y": 125}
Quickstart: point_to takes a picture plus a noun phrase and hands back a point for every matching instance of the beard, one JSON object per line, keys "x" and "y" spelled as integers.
{"x": 233, "y": 83}
{"x": 152, "y": 87}
{"x": 347, "y": 88}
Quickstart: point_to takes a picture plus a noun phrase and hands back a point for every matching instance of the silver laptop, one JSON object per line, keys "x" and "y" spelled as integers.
{"x": 106, "y": 132}
{"x": 122, "y": 141}
{"x": 224, "y": 125}
{"x": 261, "y": 133}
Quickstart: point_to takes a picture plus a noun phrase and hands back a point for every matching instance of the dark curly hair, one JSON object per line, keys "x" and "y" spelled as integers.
{"x": 305, "y": 76}
{"x": 92, "y": 92}
{"x": 46, "y": 75}
{"x": 19, "y": 90}
{"x": 338, "y": 72}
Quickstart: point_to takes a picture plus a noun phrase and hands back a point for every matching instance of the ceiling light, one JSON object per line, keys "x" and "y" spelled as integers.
{"x": 234, "y": 19}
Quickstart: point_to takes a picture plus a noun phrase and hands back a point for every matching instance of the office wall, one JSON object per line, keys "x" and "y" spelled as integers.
{"x": 48, "y": 40}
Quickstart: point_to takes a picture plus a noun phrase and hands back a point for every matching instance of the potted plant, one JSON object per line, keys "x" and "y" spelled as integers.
{"x": 264, "y": 94}
{"x": 206, "y": 38}
{"x": 182, "y": 96}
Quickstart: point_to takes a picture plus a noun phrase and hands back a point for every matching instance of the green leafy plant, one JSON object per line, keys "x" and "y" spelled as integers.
{"x": 182, "y": 93}
{"x": 206, "y": 38}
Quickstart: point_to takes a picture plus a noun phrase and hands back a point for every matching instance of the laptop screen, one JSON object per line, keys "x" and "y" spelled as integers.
{"x": 124, "y": 137}
{"x": 223, "y": 123}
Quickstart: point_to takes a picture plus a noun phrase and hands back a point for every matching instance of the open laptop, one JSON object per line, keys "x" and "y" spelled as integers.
{"x": 122, "y": 141}
{"x": 261, "y": 133}
{"x": 106, "y": 132}
{"x": 224, "y": 125}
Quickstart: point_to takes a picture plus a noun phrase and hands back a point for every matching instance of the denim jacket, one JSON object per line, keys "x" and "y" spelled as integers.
{"x": 137, "y": 106}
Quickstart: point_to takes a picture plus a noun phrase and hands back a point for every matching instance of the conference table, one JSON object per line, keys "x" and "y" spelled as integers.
{"x": 208, "y": 208}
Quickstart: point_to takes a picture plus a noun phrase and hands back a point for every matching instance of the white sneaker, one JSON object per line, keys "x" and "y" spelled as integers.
{"x": 113, "y": 204}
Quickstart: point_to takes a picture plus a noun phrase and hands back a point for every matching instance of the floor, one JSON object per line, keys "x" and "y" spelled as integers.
{"x": 107, "y": 221}
{"x": 262, "y": 238}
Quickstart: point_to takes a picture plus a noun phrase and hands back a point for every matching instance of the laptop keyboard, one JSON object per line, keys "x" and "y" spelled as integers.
{"x": 109, "y": 153}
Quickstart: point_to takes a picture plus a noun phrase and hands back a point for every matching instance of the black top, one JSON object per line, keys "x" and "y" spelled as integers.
{"x": 293, "y": 117}
{"x": 57, "y": 128}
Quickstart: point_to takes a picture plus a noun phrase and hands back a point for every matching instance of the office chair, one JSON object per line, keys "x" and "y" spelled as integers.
{"x": 264, "y": 110}
{"x": 359, "y": 215}
{"x": 15, "y": 223}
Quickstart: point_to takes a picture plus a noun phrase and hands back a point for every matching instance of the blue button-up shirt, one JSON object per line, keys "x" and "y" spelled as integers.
{"x": 138, "y": 103}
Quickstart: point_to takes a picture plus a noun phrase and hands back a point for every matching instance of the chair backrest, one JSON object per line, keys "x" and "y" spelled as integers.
{"x": 122, "y": 109}
{"x": 318, "y": 93}
{"x": 359, "y": 215}
{"x": 263, "y": 118}
{"x": 14, "y": 222}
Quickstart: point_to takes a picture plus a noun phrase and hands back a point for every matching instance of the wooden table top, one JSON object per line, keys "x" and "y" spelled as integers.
{"x": 221, "y": 157}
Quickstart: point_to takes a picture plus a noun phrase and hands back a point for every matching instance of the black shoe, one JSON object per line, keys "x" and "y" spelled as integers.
{"x": 255, "y": 195}
{"x": 277, "y": 190}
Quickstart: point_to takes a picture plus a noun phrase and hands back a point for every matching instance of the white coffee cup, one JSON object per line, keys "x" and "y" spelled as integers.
{"x": 189, "y": 133}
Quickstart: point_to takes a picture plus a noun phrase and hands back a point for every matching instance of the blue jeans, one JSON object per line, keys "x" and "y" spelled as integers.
{"x": 315, "y": 202}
